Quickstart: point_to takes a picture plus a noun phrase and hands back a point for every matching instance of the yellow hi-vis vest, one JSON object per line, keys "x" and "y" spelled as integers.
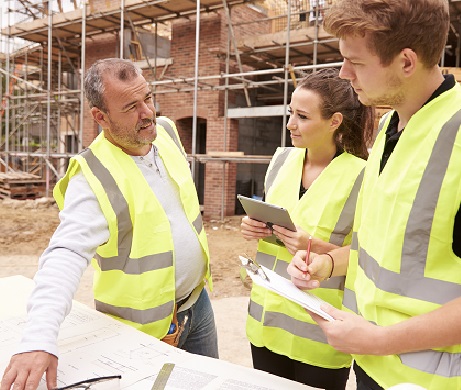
{"x": 402, "y": 262}
{"x": 134, "y": 279}
{"x": 326, "y": 211}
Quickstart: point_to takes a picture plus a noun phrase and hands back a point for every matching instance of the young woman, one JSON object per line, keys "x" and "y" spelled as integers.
{"x": 317, "y": 181}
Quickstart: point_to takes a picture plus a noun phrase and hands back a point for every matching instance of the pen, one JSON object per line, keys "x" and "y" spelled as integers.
{"x": 308, "y": 249}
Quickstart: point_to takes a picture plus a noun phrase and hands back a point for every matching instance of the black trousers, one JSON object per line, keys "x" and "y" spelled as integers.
{"x": 323, "y": 378}
{"x": 364, "y": 382}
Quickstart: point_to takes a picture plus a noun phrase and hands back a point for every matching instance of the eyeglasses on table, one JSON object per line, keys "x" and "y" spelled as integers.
{"x": 100, "y": 383}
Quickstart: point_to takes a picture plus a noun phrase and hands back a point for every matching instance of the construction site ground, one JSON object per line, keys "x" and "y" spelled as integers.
{"x": 26, "y": 227}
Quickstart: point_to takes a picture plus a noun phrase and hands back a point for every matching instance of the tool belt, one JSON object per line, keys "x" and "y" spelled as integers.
{"x": 176, "y": 329}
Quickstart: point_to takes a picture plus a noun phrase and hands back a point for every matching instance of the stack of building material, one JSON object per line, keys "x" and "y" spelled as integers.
{"x": 21, "y": 185}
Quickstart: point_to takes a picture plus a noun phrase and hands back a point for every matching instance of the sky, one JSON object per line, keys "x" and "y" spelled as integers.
{"x": 14, "y": 17}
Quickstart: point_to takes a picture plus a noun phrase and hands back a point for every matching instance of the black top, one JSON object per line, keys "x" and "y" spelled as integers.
{"x": 303, "y": 190}
{"x": 392, "y": 137}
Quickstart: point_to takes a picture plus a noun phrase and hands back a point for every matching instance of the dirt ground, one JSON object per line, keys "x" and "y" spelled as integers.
{"x": 26, "y": 227}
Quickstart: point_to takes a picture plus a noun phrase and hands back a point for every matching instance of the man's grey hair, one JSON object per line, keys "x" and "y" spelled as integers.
{"x": 120, "y": 69}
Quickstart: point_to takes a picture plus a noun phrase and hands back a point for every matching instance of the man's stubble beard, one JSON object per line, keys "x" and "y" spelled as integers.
{"x": 129, "y": 138}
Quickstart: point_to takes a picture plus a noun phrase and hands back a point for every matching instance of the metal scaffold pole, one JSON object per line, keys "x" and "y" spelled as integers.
{"x": 48, "y": 98}
{"x": 82, "y": 77}
{"x": 285, "y": 85}
{"x": 194, "y": 108}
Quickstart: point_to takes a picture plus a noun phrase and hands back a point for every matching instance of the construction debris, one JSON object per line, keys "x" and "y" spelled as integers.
{"x": 21, "y": 185}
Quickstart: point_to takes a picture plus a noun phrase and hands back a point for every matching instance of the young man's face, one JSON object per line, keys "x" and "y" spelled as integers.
{"x": 374, "y": 83}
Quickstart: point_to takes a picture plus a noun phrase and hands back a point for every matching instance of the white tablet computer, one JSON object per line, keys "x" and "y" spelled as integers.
{"x": 267, "y": 212}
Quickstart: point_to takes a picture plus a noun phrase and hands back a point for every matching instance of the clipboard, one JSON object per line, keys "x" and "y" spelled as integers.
{"x": 268, "y": 213}
{"x": 283, "y": 287}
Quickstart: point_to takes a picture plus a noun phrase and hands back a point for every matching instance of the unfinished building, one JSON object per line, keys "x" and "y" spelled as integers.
{"x": 223, "y": 70}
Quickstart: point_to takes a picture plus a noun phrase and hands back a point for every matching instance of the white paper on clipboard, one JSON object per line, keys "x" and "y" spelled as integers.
{"x": 288, "y": 290}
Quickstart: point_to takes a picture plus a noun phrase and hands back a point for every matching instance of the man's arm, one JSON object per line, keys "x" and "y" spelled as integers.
{"x": 81, "y": 230}
{"x": 438, "y": 328}
{"x": 351, "y": 333}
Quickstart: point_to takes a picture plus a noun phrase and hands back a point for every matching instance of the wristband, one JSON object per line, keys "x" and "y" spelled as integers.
{"x": 332, "y": 265}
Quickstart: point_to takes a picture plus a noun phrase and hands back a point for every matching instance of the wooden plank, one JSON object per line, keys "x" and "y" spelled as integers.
{"x": 454, "y": 71}
{"x": 279, "y": 38}
{"x": 224, "y": 154}
{"x": 21, "y": 185}
{"x": 17, "y": 176}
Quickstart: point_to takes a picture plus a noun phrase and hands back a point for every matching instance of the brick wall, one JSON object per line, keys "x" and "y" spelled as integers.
{"x": 104, "y": 47}
{"x": 210, "y": 104}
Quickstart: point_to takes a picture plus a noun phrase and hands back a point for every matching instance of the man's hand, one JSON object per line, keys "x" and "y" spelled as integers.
{"x": 26, "y": 369}
{"x": 252, "y": 229}
{"x": 351, "y": 333}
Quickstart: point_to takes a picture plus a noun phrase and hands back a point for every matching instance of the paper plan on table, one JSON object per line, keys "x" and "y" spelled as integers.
{"x": 92, "y": 344}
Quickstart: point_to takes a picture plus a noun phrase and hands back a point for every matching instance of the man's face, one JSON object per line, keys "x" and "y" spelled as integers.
{"x": 374, "y": 83}
{"x": 129, "y": 121}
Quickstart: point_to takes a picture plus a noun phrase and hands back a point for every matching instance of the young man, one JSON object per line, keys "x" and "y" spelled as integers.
{"x": 129, "y": 206}
{"x": 403, "y": 278}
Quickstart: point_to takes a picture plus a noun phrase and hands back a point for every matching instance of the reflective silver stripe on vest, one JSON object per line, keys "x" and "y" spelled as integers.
{"x": 255, "y": 310}
{"x": 346, "y": 218}
{"x": 135, "y": 266}
{"x": 197, "y": 223}
{"x": 336, "y": 283}
{"x": 122, "y": 261}
{"x": 266, "y": 260}
{"x": 143, "y": 317}
{"x": 169, "y": 129}
{"x": 280, "y": 160}
{"x": 354, "y": 242}
{"x": 295, "y": 327}
{"x": 350, "y": 300}
{"x": 281, "y": 269}
{"x": 438, "y": 363}
{"x": 382, "y": 121}
{"x": 282, "y": 321}
{"x": 410, "y": 282}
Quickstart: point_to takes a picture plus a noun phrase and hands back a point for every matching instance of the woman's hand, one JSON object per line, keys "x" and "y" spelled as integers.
{"x": 308, "y": 274}
{"x": 254, "y": 230}
{"x": 293, "y": 241}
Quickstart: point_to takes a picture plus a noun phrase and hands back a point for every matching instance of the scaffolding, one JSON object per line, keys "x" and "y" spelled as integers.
{"x": 42, "y": 110}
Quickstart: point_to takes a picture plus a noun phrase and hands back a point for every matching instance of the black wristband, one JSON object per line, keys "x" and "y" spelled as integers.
{"x": 332, "y": 265}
